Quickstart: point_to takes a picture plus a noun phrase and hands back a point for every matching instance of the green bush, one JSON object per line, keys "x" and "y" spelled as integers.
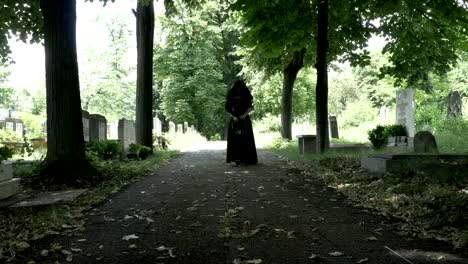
{"x": 144, "y": 152}
{"x": 378, "y": 137}
{"x": 138, "y": 151}
{"x": 10, "y": 136}
{"x": 6, "y": 153}
{"x": 107, "y": 149}
{"x": 396, "y": 131}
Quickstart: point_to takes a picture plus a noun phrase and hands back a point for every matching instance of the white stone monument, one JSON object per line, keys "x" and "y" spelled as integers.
{"x": 405, "y": 110}
{"x": 126, "y": 133}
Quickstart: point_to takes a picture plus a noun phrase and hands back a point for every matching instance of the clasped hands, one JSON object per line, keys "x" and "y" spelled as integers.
{"x": 242, "y": 117}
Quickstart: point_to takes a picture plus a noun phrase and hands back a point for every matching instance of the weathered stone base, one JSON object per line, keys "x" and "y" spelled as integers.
{"x": 410, "y": 161}
{"x": 9, "y": 188}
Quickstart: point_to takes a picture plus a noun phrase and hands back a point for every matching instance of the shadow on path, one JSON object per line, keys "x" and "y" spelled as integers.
{"x": 198, "y": 209}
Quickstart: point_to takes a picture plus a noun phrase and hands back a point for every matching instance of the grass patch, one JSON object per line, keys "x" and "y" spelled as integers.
{"x": 427, "y": 205}
{"x": 21, "y": 226}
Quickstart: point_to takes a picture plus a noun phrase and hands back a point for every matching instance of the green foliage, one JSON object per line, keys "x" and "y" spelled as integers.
{"x": 10, "y": 136}
{"x": 108, "y": 85}
{"x": 378, "y": 137}
{"x": 6, "y": 153}
{"x": 106, "y": 149}
{"x": 138, "y": 151}
{"x": 396, "y": 130}
{"x": 35, "y": 125}
{"x": 357, "y": 113}
{"x": 451, "y": 135}
{"x": 190, "y": 70}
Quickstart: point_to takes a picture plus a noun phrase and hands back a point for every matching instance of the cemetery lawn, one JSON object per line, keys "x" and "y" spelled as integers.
{"x": 424, "y": 206}
{"x": 20, "y": 226}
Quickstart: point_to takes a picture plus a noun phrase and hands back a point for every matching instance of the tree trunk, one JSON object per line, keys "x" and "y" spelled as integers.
{"x": 321, "y": 100}
{"x": 289, "y": 77}
{"x": 65, "y": 143}
{"x": 144, "y": 96}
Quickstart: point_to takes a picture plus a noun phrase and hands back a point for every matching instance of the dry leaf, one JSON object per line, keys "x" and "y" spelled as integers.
{"x": 132, "y": 236}
{"x": 362, "y": 260}
{"x": 66, "y": 252}
{"x": 313, "y": 256}
{"x": 335, "y": 254}
{"x": 132, "y": 246}
{"x": 44, "y": 253}
{"x": 69, "y": 258}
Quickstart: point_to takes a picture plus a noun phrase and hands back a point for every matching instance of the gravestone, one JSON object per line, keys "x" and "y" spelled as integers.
{"x": 113, "y": 130}
{"x": 185, "y": 127}
{"x": 172, "y": 127}
{"x": 126, "y": 134}
{"x": 9, "y": 186}
{"x": 307, "y": 144}
{"x": 383, "y": 115}
{"x": 333, "y": 127}
{"x": 97, "y": 127}
{"x": 85, "y": 120}
{"x": 424, "y": 142}
{"x": 454, "y": 105}
{"x": 405, "y": 110}
{"x": 180, "y": 128}
{"x": 156, "y": 126}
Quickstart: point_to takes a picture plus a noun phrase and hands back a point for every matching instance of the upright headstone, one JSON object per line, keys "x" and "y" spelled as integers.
{"x": 333, "y": 127}
{"x": 405, "y": 110}
{"x": 424, "y": 142}
{"x": 126, "y": 133}
{"x": 97, "y": 127}
{"x": 113, "y": 130}
{"x": 383, "y": 115}
{"x": 185, "y": 127}
{"x": 180, "y": 128}
{"x": 9, "y": 186}
{"x": 156, "y": 126}
{"x": 85, "y": 119}
{"x": 454, "y": 105}
{"x": 172, "y": 127}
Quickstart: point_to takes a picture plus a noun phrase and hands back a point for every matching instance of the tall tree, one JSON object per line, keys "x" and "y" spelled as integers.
{"x": 144, "y": 98}
{"x": 65, "y": 143}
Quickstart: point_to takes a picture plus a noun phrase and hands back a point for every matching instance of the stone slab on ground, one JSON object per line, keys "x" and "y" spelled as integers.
{"x": 48, "y": 198}
{"x": 9, "y": 188}
{"x": 349, "y": 147}
{"x": 382, "y": 163}
{"x": 14, "y": 199}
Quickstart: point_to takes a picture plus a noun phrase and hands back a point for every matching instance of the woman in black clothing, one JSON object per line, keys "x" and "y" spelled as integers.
{"x": 240, "y": 139}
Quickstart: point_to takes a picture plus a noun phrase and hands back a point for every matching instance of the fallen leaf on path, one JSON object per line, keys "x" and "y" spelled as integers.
{"x": 362, "y": 260}
{"x": 101, "y": 246}
{"x": 81, "y": 240}
{"x": 126, "y": 217}
{"x": 372, "y": 238}
{"x": 44, "y": 253}
{"x": 66, "y": 252}
{"x": 108, "y": 219}
{"x": 240, "y": 248}
{"x": 132, "y": 236}
{"x": 22, "y": 245}
{"x": 149, "y": 220}
{"x": 314, "y": 256}
{"x": 69, "y": 258}
{"x": 253, "y": 261}
{"x": 192, "y": 208}
{"x": 335, "y": 254}
{"x": 293, "y": 216}
{"x": 132, "y": 246}
{"x": 76, "y": 249}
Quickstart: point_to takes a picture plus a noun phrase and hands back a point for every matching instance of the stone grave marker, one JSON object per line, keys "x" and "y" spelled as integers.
{"x": 180, "y": 128}
{"x": 126, "y": 134}
{"x": 425, "y": 142}
{"x": 333, "y": 127}
{"x": 405, "y": 110}
{"x": 97, "y": 127}
{"x": 9, "y": 186}
{"x": 85, "y": 119}
{"x": 454, "y": 105}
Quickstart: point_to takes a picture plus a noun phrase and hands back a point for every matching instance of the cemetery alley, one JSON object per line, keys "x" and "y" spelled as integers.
{"x": 198, "y": 209}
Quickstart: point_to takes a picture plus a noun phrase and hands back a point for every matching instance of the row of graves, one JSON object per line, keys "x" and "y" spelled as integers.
{"x": 95, "y": 128}
{"x": 420, "y": 152}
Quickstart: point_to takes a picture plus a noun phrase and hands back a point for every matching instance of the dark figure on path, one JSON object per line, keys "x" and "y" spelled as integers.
{"x": 240, "y": 138}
